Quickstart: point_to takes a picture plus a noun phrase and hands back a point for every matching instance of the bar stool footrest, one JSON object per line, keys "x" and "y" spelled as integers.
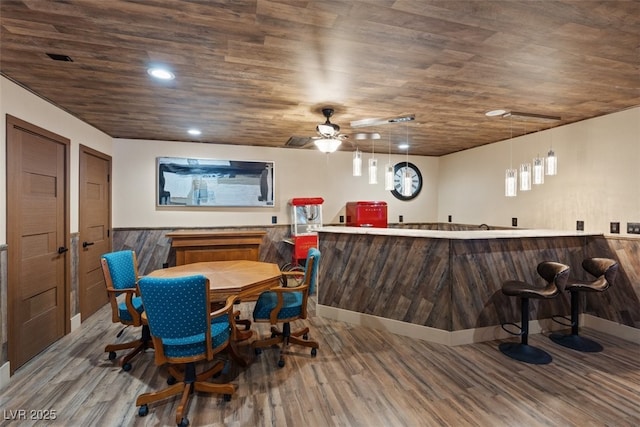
{"x": 515, "y": 325}
{"x": 562, "y": 320}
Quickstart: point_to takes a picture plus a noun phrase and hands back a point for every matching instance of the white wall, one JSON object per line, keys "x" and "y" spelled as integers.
{"x": 598, "y": 178}
{"x": 20, "y": 103}
{"x": 298, "y": 173}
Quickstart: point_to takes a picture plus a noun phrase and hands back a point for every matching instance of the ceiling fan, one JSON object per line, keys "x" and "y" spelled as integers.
{"x": 329, "y": 136}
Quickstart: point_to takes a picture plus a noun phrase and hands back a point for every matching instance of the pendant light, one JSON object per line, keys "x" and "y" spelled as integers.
{"x": 552, "y": 160}
{"x": 538, "y": 171}
{"x": 407, "y": 179}
{"x": 525, "y": 177}
{"x": 525, "y": 170}
{"x": 388, "y": 171}
{"x": 357, "y": 162}
{"x": 373, "y": 165}
{"x": 511, "y": 175}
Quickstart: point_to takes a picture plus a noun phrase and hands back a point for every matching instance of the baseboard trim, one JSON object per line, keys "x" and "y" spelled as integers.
{"x": 5, "y": 375}
{"x": 468, "y": 336}
{"x": 625, "y": 332}
{"x": 76, "y": 321}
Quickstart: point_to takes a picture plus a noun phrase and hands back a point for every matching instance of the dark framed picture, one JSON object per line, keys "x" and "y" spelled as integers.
{"x": 211, "y": 182}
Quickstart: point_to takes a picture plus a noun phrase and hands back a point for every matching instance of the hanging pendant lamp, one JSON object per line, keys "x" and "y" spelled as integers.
{"x": 511, "y": 175}
{"x": 357, "y": 163}
{"x": 388, "y": 171}
{"x": 525, "y": 177}
{"x": 373, "y": 165}
{"x": 538, "y": 171}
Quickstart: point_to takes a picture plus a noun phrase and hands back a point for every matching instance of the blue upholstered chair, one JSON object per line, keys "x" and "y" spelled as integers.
{"x": 185, "y": 332}
{"x": 285, "y": 304}
{"x": 120, "y": 271}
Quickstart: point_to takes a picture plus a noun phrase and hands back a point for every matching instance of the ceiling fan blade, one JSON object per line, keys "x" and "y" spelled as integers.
{"x": 383, "y": 121}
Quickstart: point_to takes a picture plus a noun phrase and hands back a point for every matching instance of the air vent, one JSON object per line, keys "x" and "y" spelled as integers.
{"x": 298, "y": 141}
{"x": 57, "y": 57}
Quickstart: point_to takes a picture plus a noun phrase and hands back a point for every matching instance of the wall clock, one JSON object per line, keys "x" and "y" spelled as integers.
{"x": 399, "y": 171}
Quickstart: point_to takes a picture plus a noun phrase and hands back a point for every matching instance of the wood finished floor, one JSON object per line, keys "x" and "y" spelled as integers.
{"x": 361, "y": 377}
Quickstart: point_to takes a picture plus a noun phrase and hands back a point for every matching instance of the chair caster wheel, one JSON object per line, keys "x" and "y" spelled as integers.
{"x": 112, "y": 355}
{"x": 258, "y": 351}
{"x": 184, "y": 422}
{"x": 305, "y": 336}
{"x": 227, "y": 398}
{"x": 280, "y": 363}
{"x": 171, "y": 380}
{"x": 126, "y": 367}
{"x": 143, "y": 410}
{"x": 314, "y": 352}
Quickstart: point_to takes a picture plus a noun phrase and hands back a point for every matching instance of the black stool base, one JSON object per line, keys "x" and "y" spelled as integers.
{"x": 576, "y": 342}
{"x": 525, "y": 353}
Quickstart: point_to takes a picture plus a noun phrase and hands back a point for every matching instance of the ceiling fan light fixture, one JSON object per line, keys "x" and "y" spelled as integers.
{"x": 327, "y": 145}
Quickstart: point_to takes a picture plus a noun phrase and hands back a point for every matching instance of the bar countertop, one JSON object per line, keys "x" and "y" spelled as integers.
{"x": 457, "y": 234}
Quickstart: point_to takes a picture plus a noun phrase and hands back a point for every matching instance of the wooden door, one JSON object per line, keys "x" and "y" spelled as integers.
{"x": 38, "y": 239}
{"x": 95, "y": 228}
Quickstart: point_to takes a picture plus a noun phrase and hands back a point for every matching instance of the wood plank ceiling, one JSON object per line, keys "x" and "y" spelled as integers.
{"x": 256, "y": 72}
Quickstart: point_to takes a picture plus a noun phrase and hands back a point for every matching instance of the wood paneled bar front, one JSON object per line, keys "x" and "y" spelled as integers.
{"x": 207, "y": 245}
{"x": 442, "y": 286}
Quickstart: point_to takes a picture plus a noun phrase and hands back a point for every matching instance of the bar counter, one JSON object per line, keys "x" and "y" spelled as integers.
{"x": 437, "y": 285}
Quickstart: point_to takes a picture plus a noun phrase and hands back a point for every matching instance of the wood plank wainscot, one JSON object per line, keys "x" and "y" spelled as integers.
{"x": 441, "y": 286}
{"x": 206, "y": 245}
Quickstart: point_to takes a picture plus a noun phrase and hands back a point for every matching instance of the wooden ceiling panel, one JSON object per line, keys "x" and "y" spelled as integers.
{"x": 257, "y": 72}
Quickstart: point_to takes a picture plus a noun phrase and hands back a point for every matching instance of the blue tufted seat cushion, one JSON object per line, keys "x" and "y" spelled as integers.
{"x": 267, "y": 301}
{"x": 125, "y": 316}
{"x": 194, "y": 344}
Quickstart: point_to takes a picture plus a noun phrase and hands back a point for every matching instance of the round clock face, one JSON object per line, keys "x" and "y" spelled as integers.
{"x": 410, "y": 171}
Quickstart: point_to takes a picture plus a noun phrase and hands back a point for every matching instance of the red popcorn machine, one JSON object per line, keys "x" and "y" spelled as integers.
{"x": 306, "y": 218}
{"x": 367, "y": 214}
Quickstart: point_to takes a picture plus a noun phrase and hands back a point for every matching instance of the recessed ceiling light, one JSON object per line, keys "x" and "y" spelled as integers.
{"x": 403, "y": 146}
{"x": 495, "y": 113}
{"x": 161, "y": 73}
{"x": 194, "y": 132}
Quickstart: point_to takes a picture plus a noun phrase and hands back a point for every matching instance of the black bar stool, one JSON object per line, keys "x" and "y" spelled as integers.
{"x": 555, "y": 275}
{"x": 605, "y": 271}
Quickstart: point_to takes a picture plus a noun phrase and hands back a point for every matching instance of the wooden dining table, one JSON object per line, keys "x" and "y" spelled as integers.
{"x": 242, "y": 279}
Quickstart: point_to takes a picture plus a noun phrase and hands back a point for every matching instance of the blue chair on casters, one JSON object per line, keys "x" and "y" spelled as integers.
{"x": 555, "y": 276}
{"x": 120, "y": 271}
{"x": 604, "y": 270}
{"x": 286, "y": 304}
{"x": 185, "y": 332}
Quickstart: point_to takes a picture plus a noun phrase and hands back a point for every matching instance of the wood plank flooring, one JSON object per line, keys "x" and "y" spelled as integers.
{"x": 361, "y": 377}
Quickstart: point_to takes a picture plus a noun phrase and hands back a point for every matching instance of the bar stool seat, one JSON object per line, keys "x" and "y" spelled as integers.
{"x": 605, "y": 271}
{"x": 555, "y": 276}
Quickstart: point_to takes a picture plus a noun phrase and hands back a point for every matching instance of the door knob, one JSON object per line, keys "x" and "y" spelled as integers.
{"x": 85, "y": 244}
{"x": 62, "y": 249}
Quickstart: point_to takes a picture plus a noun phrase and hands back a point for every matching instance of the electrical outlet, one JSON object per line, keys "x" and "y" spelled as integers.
{"x": 580, "y": 225}
{"x": 633, "y": 227}
{"x": 449, "y": 218}
{"x": 514, "y": 222}
{"x": 274, "y": 219}
{"x": 400, "y": 218}
{"x": 614, "y": 228}
{"x": 341, "y": 219}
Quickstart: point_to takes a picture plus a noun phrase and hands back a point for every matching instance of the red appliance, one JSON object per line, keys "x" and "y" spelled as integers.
{"x": 367, "y": 214}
